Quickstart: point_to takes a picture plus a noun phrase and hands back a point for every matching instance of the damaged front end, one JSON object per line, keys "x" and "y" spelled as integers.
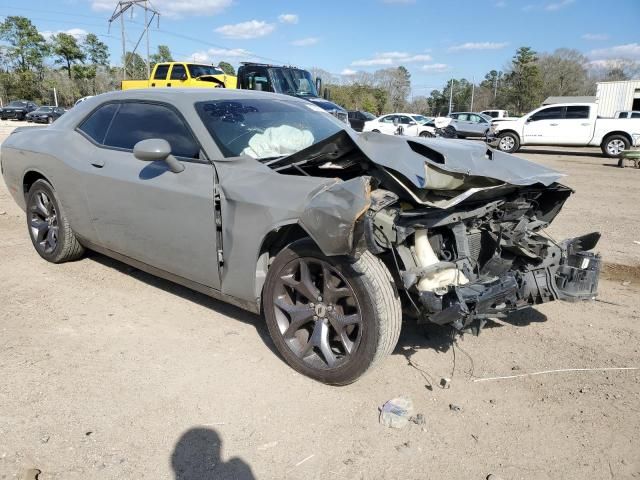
{"x": 460, "y": 226}
{"x": 481, "y": 261}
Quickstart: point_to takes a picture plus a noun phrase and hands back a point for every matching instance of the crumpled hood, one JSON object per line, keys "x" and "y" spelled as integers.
{"x": 407, "y": 156}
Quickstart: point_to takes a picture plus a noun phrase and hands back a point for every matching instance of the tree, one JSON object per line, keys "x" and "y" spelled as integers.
{"x": 396, "y": 82}
{"x": 95, "y": 51}
{"x": 26, "y": 48}
{"x": 227, "y": 68}
{"x": 564, "y": 72}
{"x": 135, "y": 66}
{"x": 523, "y": 82}
{"x": 163, "y": 55}
{"x": 66, "y": 48}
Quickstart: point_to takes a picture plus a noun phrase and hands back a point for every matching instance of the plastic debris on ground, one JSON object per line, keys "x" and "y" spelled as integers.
{"x": 396, "y": 412}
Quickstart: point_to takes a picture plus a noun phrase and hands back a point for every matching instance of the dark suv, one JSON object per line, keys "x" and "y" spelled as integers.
{"x": 17, "y": 109}
{"x": 357, "y": 119}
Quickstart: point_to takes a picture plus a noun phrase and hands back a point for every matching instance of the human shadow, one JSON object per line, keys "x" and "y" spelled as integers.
{"x": 187, "y": 294}
{"x": 196, "y": 456}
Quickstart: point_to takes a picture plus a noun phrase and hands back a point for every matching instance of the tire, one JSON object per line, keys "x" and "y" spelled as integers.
{"x": 426, "y": 134}
{"x": 508, "y": 142}
{"x": 49, "y": 120}
{"x": 614, "y": 145}
{"x": 357, "y": 314}
{"x": 48, "y": 225}
{"x": 376, "y": 131}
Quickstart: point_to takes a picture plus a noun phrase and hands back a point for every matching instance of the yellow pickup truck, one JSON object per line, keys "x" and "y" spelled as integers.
{"x": 183, "y": 75}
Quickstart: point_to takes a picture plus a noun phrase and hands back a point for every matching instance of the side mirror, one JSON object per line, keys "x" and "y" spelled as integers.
{"x": 157, "y": 149}
{"x": 318, "y": 85}
{"x": 183, "y": 77}
{"x": 530, "y": 119}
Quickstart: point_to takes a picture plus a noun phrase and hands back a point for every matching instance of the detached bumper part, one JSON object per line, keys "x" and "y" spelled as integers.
{"x": 575, "y": 279}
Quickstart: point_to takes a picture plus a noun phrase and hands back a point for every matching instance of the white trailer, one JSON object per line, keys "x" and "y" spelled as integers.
{"x": 613, "y": 97}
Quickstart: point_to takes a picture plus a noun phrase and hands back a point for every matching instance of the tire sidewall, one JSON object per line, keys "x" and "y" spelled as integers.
{"x": 516, "y": 142}
{"x": 610, "y": 139}
{"x": 43, "y": 186}
{"x": 364, "y": 355}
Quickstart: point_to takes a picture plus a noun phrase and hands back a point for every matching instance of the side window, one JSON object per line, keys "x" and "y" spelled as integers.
{"x": 475, "y": 119}
{"x": 454, "y": 116}
{"x": 388, "y": 119}
{"x": 463, "y": 117}
{"x": 141, "y": 121}
{"x": 178, "y": 72}
{"x": 404, "y": 120}
{"x": 635, "y": 115}
{"x": 161, "y": 72}
{"x": 551, "y": 113}
{"x": 578, "y": 111}
{"x": 97, "y": 124}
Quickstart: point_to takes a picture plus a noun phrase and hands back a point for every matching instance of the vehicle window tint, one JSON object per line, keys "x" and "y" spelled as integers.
{"x": 635, "y": 115}
{"x": 551, "y": 113}
{"x": 96, "y": 124}
{"x": 388, "y": 119}
{"x": 161, "y": 72}
{"x": 405, "y": 120}
{"x": 140, "y": 121}
{"x": 463, "y": 117}
{"x": 178, "y": 72}
{"x": 475, "y": 118}
{"x": 577, "y": 111}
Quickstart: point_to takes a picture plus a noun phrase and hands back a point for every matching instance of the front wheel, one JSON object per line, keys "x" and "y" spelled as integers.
{"x": 331, "y": 318}
{"x": 427, "y": 134}
{"x": 508, "y": 142}
{"x": 614, "y": 145}
{"x": 48, "y": 225}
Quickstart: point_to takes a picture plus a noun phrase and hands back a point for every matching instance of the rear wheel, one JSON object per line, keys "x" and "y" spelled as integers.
{"x": 331, "y": 318}
{"x": 49, "y": 228}
{"x": 614, "y": 145}
{"x": 508, "y": 142}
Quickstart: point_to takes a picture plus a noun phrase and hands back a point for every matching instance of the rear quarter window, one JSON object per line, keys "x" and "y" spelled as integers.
{"x": 97, "y": 123}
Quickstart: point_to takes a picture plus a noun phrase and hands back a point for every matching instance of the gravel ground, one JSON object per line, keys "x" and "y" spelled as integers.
{"x": 108, "y": 372}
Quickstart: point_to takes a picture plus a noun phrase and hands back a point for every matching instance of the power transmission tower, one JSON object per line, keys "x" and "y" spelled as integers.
{"x": 121, "y": 7}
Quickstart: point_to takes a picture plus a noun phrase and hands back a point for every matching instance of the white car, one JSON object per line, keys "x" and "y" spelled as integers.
{"x": 412, "y": 124}
{"x": 567, "y": 124}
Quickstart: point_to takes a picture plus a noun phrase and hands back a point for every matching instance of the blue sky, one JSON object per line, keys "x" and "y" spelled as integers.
{"x": 434, "y": 40}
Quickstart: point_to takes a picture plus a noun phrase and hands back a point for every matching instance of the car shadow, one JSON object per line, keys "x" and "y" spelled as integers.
{"x": 196, "y": 456}
{"x": 574, "y": 153}
{"x": 187, "y": 294}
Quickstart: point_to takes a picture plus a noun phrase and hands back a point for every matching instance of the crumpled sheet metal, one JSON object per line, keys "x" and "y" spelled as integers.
{"x": 331, "y": 214}
{"x": 461, "y": 156}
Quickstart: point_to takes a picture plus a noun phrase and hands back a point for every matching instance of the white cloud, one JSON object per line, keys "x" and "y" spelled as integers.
{"x": 435, "y": 68}
{"x": 215, "y": 55}
{"x": 288, "y": 18}
{"x": 175, "y": 8}
{"x": 391, "y": 58}
{"x": 348, "y": 72}
{"x": 629, "y": 50}
{"x": 478, "y": 46}
{"x": 305, "y": 42}
{"x": 77, "y": 33}
{"x": 552, "y": 7}
{"x": 595, "y": 36}
{"x": 610, "y": 64}
{"x": 246, "y": 30}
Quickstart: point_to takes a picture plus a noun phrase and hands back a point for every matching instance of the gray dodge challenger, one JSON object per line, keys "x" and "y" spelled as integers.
{"x": 269, "y": 203}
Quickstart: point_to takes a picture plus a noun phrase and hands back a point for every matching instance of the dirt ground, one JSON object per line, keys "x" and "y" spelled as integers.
{"x": 110, "y": 373}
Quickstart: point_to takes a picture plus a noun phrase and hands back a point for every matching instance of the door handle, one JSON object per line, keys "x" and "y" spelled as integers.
{"x": 153, "y": 84}
{"x": 585, "y": 124}
{"x": 553, "y": 124}
{"x": 97, "y": 162}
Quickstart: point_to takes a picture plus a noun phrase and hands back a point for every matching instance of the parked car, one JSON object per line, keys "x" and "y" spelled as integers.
{"x": 412, "y": 125}
{"x": 262, "y": 201}
{"x": 17, "y": 109}
{"x": 628, "y": 114}
{"x": 357, "y": 119}
{"x": 46, "y": 114}
{"x": 567, "y": 124}
{"x": 469, "y": 124}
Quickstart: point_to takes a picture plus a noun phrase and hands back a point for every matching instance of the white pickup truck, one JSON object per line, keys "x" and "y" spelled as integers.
{"x": 567, "y": 124}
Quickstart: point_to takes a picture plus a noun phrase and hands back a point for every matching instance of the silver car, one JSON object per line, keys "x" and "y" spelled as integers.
{"x": 469, "y": 124}
{"x": 269, "y": 203}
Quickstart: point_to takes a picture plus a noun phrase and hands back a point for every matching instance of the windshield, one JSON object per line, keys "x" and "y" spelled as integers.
{"x": 44, "y": 110}
{"x": 369, "y": 116}
{"x": 17, "y": 103}
{"x": 199, "y": 70}
{"x": 292, "y": 81}
{"x": 421, "y": 119}
{"x": 265, "y": 129}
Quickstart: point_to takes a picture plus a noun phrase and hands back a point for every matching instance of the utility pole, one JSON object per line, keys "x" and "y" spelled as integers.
{"x": 473, "y": 86}
{"x": 121, "y": 7}
{"x": 450, "y": 97}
